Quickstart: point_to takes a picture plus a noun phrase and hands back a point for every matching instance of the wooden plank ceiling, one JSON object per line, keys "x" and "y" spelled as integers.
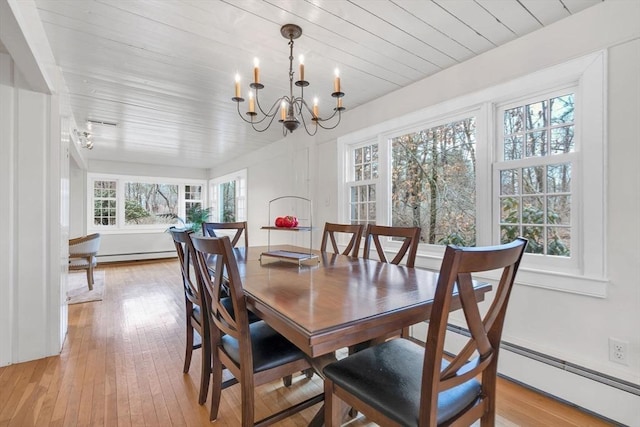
{"x": 163, "y": 70}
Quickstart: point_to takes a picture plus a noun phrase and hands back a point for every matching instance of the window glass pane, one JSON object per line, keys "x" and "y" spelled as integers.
{"x": 559, "y": 241}
{"x": 536, "y": 239}
{"x": 146, "y": 203}
{"x": 509, "y": 182}
{"x": 532, "y": 210}
{"x": 372, "y": 192}
{"x": 532, "y": 179}
{"x": 559, "y": 210}
{"x": 536, "y": 115}
{"x": 562, "y": 140}
{"x": 513, "y": 147}
{"x": 513, "y": 120}
{"x": 374, "y": 161}
{"x": 562, "y": 109}
{"x": 559, "y": 178}
{"x": 510, "y": 210}
{"x": 228, "y": 201}
{"x": 433, "y": 182}
{"x": 508, "y": 233}
{"x": 357, "y": 156}
{"x": 359, "y": 173}
{"x": 536, "y": 144}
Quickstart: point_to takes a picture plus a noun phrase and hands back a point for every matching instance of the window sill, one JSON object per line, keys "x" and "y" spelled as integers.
{"x": 528, "y": 276}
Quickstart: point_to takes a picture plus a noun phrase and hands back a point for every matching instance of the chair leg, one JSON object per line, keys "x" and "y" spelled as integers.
{"x": 216, "y": 386}
{"x": 248, "y": 400}
{"x": 90, "y": 277}
{"x": 188, "y": 351}
{"x": 287, "y": 380}
{"x": 308, "y": 373}
{"x": 332, "y": 412}
{"x": 205, "y": 371}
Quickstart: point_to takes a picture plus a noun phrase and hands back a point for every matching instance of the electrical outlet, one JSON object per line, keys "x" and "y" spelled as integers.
{"x": 618, "y": 351}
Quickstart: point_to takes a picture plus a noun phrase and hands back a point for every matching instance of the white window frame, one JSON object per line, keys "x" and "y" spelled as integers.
{"x": 121, "y": 227}
{"x": 587, "y": 275}
{"x": 240, "y": 177}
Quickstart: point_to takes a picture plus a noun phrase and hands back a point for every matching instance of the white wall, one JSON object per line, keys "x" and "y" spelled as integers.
{"x": 571, "y": 327}
{"x": 34, "y": 308}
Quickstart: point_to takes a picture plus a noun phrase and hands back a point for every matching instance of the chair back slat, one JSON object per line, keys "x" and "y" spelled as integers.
{"x": 410, "y": 236}
{"x": 486, "y": 331}
{"x": 209, "y": 229}
{"x": 184, "y": 248}
{"x": 328, "y": 236}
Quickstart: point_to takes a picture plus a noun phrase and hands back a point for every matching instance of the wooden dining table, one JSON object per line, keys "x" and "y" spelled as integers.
{"x": 338, "y": 300}
{"x": 335, "y": 301}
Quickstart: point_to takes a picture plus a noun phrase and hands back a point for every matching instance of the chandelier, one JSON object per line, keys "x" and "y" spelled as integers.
{"x": 291, "y": 110}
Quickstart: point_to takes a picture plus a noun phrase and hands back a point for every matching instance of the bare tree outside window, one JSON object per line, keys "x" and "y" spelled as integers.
{"x": 228, "y": 201}
{"x": 150, "y": 203}
{"x": 433, "y": 179}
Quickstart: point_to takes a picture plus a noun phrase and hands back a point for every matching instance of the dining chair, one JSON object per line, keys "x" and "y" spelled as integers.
{"x": 254, "y": 353}
{"x": 209, "y": 229}
{"x": 193, "y": 310}
{"x": 328, "y": 236}
{"x": 82, "y": 255}
{"x": 418, "y": 386}
{"x": 410, "y": 238}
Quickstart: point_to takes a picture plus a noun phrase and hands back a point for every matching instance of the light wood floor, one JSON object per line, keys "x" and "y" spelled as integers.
{"x": 121, "y": 365}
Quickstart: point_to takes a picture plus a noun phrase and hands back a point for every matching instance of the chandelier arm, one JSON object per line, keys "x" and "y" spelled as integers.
{"x": 330, "y": 127}
{"x": 306, "y": 128}
{"x": 253, "y": 124}
{"x": 260, "y": 106}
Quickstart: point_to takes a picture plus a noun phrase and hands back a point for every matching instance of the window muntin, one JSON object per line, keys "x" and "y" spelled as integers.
{"x": 105, "y": 203}
{"x": 433, "y": 182}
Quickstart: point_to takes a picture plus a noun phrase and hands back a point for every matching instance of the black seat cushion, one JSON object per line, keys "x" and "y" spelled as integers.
{"x": 269, "y": 348}
{"x": 388, "y": 377}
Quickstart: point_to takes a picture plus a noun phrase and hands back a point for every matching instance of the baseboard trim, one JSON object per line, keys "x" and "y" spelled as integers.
{"x": 135, "y": 256}
{"x": 605, "y": 379}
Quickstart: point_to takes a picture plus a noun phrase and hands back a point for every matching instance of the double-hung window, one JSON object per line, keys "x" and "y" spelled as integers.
{"x": 228, "y": 196}
{"x": 523, "y": 158}
{"x": 536, "y": 162}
